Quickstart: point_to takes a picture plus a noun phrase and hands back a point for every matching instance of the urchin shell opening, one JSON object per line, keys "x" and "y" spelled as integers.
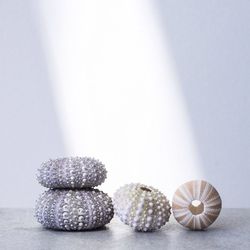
{"x": 146, "y": 189}
{"x": 196, "y": 207}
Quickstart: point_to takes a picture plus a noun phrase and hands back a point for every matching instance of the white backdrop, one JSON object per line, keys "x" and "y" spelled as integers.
{"x": 156, "y": 90}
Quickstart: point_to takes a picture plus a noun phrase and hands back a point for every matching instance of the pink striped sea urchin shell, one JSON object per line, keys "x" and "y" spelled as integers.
{"x": 196, "y": 204}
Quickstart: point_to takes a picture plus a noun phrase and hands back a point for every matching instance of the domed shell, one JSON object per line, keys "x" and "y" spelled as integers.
{"x": 196, "y": 204}
{"x": 142, "y": 207}
{"x": 74, "y": 210}
{"x": 71, "y": 172}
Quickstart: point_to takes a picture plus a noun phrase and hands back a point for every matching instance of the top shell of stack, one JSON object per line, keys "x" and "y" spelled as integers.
{"x": 71, "y": 173}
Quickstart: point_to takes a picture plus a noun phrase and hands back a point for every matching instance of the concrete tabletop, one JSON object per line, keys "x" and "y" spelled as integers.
{"x": 19, "y": 230}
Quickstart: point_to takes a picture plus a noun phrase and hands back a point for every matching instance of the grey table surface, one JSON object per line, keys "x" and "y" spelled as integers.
{"x": 19, "y": 230}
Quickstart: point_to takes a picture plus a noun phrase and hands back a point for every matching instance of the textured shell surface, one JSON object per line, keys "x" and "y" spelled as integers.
{"x": 196, "y": 204}
{"x": 71, "y": 172}
{"x": 142, "y": 207}
{"x": 74, "y": 209}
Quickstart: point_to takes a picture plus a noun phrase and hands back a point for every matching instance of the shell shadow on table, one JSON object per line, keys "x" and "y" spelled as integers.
{"x": 57, "y": 239}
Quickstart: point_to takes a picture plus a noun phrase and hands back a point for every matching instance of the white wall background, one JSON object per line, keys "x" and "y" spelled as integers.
{"x": 158, "y": 90}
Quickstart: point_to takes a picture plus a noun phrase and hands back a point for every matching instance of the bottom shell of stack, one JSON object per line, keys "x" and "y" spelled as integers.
{"x": 74, "y": 210}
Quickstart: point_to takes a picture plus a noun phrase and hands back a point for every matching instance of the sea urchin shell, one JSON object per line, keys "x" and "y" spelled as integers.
{"x": 74, "y": 209}
{"x": 196, "y": 204}
{"x": 71, "y": 172}
{"x": 142, "y": 207}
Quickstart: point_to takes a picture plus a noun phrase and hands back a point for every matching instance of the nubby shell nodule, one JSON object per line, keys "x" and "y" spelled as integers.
{"x": 196, "y": 204}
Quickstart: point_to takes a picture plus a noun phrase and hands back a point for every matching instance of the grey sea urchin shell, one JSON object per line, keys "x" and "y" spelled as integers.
{"x": 142, "y": 207}
{"x": 71, "y": 172}
{"x": 74, "y": 209}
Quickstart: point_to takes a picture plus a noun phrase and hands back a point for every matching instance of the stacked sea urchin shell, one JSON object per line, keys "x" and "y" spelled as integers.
{"x": 72, "y": 203}
{"x": 142, "y": 207}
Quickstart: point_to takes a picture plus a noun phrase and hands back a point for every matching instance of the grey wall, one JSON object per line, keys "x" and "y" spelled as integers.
{"x": 210, "y": 43}
{"x": 29, "y": 130}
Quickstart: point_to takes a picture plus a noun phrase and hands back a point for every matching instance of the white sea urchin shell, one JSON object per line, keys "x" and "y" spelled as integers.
{"x": 74, "y": 209}
{"x": 71, "y": 172}
{"x": 142, "y": 207}
{"x": 196, "y": 204}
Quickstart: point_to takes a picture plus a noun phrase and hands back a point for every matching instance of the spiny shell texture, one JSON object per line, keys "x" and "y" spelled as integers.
{"x": 74, "y": 210}
{"x": 71, "y": 172}
{"x": 142, "y": 207}
{"x": 196, "y": 204}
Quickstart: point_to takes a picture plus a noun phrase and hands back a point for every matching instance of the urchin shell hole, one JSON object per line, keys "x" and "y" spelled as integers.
{"x": 145, "y": 189}
{"x": 196, "y": 207}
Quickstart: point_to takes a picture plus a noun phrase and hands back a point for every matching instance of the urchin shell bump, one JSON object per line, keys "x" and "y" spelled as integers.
{"x": 74, "y": 209}
{"x": 196, "y": 204}
{"x": 71, "y": 172}
{"x": 142, "y": 207}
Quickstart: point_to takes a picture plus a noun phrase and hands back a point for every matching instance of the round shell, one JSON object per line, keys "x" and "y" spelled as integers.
{"x": 196, "y": 204}
{"x": 142, "y": 207}
{"x": 71, "y": 172}
{"x": 74, "y": 210}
